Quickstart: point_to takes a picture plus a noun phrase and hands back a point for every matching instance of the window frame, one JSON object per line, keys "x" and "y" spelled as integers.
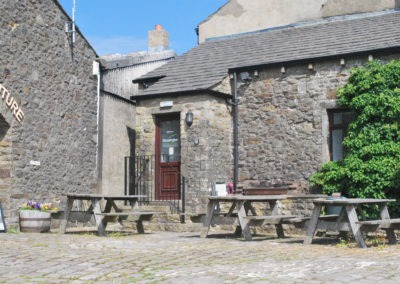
{"x": 332, "y": 127}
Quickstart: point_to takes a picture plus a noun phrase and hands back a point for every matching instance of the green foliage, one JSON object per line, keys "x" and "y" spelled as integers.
{"x": 371, "y": 168}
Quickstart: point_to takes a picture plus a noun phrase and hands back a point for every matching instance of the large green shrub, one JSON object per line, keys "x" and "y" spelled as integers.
{"x": 371, "y": 167}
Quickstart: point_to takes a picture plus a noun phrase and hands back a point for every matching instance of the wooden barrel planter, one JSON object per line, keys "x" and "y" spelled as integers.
{"x": 34, "y": 221}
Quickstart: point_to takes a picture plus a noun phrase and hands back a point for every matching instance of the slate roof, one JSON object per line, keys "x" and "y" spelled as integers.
{"x": 114, "y": 61}
{"x": 208, "y": 63}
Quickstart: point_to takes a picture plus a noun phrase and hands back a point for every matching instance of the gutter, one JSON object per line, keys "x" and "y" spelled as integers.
{"x": 235, "y": 133}
{"x": 382, "y": 51}
{"x": 180, "y": 93}
{"x": 99, "y": 152}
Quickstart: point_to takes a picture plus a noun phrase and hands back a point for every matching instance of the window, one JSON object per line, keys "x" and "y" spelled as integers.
{"x": 339, "y": 121}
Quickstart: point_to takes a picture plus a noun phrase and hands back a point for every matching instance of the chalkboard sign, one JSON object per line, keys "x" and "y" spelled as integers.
{"x": 3, "y": 227}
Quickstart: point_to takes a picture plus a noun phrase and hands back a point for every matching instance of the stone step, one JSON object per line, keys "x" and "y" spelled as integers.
{"x": 165, "y": 227}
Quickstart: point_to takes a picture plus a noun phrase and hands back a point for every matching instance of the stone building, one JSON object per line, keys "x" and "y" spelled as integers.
{"x": 242, "y": 16}
{"x": 118, "y": 112}
{"x": 263, "y": 105}
{"x": 48, "y": 111}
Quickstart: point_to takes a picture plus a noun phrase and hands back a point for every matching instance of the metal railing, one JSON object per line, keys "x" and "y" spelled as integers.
{"x": 140, "y": 179}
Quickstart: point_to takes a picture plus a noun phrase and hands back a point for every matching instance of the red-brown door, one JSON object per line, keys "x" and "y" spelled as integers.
{"x": 167, "y": 157}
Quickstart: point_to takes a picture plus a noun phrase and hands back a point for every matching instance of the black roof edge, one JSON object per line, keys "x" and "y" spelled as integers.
{"x": 115, "y": 96}
{"x": 139, "y": 80}
{"x": 314, "y": 59}
{"x": 182, "y": 93}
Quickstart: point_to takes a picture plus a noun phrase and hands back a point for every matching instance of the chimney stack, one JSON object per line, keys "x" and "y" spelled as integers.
{"x": 158, "y": 39}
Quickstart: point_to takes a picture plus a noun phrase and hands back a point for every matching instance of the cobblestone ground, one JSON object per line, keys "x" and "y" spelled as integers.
{"x": 162, "y": 257}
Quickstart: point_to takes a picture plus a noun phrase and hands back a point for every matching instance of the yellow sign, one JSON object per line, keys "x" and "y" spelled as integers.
{"x": 11, "y": 103}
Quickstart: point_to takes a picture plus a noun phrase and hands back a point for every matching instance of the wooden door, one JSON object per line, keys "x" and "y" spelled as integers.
{"x": 168, "y": 156}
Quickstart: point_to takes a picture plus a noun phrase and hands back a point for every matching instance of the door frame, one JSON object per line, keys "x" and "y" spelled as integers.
{"x": 158, "y": 164}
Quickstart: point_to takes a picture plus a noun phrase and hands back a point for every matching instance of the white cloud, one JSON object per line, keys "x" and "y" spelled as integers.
{"x": 117, "y": 44}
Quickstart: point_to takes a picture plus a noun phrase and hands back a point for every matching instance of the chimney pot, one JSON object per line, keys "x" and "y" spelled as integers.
{"x": 158, "y": 39}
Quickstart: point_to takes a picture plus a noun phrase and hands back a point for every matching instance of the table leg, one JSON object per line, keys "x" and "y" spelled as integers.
{"x": 139, "y": 226}
{"x": 250, "y": 208}
{"x": 134, "y": 204}
{"x": 355, "y": 228}
{"x": 342, "y": 219}
{"x": 207, "y": 222}
{"x": 274, "y": 211}
{"x": 244, "y": 223}
{"x": 109, "y": 205}
{"x": 390, "y": 235}
{"x": 67, "y": 213}
{"x": 101, "y": 222}
{"x": 230, "y": 212}
{"x": 312, "y": 225}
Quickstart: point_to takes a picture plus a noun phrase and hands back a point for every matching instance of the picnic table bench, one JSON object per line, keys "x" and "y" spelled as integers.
{"x": 348, "y": 220}
{"x": 138, "y": 218}
{"x": 111, "y": 212}
{"x": 242, "y": 212}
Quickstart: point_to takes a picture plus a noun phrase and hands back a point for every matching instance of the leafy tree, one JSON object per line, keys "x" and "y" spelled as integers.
{"x": 371, "y": 168}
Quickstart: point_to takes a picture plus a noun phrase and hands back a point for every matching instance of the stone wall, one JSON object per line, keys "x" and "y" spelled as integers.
{"x": 53, "y": 150}
{"x": 283, "y": 121}
{"x": 202, "y": 163}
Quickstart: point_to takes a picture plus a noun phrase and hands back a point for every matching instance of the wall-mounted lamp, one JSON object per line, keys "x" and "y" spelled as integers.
{"x": 342, "y": 61}
{"x": 245, "y": 76}
{"x": 310, "y": 66}
{"x": 255, "y": 73}
{"x": 283, "y": 69}
{"x": 189, "y": 118}
{"x": 370, "y": 57}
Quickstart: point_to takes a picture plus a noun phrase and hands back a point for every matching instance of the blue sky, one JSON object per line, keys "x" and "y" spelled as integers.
{"x": 121, "y": 26}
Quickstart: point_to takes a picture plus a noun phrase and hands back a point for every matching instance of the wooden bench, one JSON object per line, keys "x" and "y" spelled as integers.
{"x": 275, "y": 219}
{"x": 383, "y": 224}
{"x": 75, "y": 216}
{"x": 137, "y": 216}
{"x": 218, "y": 218}
{"x": 388, "y": 225}
{"x": 331, "y": 217}
{"x": 260, "y": 220}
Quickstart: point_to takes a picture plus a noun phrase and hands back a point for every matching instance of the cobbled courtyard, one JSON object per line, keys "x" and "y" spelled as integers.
{"x": 165, "y": 257}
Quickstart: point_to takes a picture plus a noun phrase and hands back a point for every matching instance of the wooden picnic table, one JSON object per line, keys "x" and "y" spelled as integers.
{"x": 348, "y": 219}
{"x": 111, "y": 211}
{"x": 243, "y": 214}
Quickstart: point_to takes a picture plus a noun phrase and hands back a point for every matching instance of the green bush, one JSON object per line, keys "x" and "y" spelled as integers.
{"x": 371, "y": 167}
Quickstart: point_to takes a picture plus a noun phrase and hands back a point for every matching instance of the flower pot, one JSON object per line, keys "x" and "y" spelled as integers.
{"x": 333, "y": 209}
{"x": 34, "y": 221}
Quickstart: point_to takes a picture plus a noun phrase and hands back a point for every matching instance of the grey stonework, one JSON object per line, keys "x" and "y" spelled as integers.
{"x": 204, "y": 163}
{"x": 283, "y": 130}
{"x": 54, "y": 86}
{"x": 283, "y": 123}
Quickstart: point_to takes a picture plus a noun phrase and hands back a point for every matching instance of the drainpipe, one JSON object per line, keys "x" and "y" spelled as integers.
{"x": 235, "y": 133}
{"x": 99, "y": 152}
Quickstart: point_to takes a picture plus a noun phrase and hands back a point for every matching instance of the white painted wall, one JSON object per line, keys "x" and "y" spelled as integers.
{"x": 240, "y": 16}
